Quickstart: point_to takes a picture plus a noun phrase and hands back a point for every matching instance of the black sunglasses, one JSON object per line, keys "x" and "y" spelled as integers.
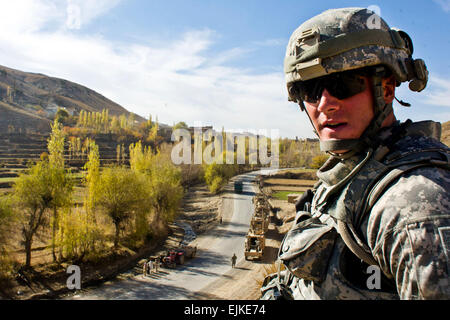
{"x": 341, "y": 85}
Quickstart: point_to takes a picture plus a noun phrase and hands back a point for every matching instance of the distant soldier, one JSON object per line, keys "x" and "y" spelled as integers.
{"x": 233, "y": 260}
{"x": 156, "y": 265}
{"x": 150, "y": 266}
{"x": 144, "y": 268}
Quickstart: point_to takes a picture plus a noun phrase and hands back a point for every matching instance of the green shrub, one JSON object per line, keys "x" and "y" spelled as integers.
{"x": 318, "y": 161}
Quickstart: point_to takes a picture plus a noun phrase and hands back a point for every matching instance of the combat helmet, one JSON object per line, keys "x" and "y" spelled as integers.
{"x": 345, "y": 39}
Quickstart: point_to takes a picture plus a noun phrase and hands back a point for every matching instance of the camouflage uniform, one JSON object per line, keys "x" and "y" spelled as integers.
{"x": 385, "y": 205}
{"x": 407, "y": 231}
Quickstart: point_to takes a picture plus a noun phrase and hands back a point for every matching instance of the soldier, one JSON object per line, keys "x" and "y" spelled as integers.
{"x": 233, "y": 260}
{"x": 150, "y": 266}
{"x": 144, "y": 268}
{"x": 377, "y": 224}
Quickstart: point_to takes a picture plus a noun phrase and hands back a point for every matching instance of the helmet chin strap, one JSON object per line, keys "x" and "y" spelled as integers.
{"x": 369, "y": 138}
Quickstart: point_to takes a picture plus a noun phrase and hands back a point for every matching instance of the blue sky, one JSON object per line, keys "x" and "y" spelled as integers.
{"x": 213, "y": 62}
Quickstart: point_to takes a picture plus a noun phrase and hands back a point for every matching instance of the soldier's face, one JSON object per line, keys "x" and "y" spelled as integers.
{"x": 341, "y": 119}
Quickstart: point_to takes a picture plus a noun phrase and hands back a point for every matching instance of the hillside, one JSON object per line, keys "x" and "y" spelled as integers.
{"x": 445, "y": 136}
{"x": 29, "y": 100}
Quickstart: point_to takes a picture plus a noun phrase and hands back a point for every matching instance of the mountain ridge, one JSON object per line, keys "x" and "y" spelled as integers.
{"x": 29, "y": 100}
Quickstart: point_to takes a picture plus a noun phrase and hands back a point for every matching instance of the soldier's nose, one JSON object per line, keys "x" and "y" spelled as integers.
{"x": 327, "y": 102}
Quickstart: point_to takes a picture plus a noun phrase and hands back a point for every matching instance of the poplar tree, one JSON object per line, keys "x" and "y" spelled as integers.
{"x": 92, "y": 168}
{"x": 123, "y": 121}
{"x": 80, "y": 119}
{"x": 61, "y": 185}
{"x": 163, "y": 178}
{"x": 78, "y": 233}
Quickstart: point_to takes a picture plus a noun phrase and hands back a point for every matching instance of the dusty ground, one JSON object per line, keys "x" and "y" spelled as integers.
{"x": 200, "y": 209}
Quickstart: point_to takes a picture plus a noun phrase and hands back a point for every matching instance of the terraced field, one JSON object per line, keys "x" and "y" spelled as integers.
{"x": 299, "y": 185}
{"x": 291, "y": 181}
{"x": 18, "y": 150}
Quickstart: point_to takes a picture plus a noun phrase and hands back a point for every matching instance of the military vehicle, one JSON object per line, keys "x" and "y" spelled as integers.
{"x": 259, "y": 198}
{"x": 259, "y": 225}
{"x": 189, "y": 251}
{"x": 238, "y": 187}
{"x": 254, "y": 246}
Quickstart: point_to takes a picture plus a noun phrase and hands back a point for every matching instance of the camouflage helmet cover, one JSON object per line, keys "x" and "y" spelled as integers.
{"x": 344, "y": 39}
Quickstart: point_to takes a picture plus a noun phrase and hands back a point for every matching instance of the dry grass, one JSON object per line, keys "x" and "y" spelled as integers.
{"x": 268, "y": 270}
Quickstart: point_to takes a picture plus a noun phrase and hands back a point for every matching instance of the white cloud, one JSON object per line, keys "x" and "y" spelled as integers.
{"x": 445, "y": 4}
{"x": 81, "y": 12}
{"x": 27, "y": 15}
{"x": 271, "y": 43}
{"x": 177, "y": 80}
{"x": 439, "y": 92}
{"x": 34, "y": 15}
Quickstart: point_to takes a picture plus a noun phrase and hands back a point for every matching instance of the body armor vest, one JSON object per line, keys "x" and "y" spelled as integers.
{"x": 326, "y": 250}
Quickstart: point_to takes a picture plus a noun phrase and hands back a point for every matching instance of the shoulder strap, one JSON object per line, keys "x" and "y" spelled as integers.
{"x": 359, "y": 250}
{"x": 347, "y": 231}
{"x": 433, "y": 159}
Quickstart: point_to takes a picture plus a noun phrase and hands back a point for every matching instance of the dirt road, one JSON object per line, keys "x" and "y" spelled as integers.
{"x": 207, "y": 276}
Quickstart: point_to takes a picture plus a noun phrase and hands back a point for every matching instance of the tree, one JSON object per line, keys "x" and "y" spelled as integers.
{"x": 77, "y": 235}
{"x": 123, "y": 121}
{"x": 85, "y": 123}
{"x": 166, "y": 189}
{"x": 180, "y": 125}
{"x": 6, "y": 217}
{"x": 213, "y": 177}
{"x": 318, "y": 161}
{"x": 163, "y": 179}
{"x": 32, "y": 195}
{"x": 115, "y": 125}
{"x": 55, "y": 146}
{"x": 78, "y": 232}
{"x": 92, "y": 177}
{"x": 60, "y": 183}
{"x": 120, "y": 194}
{"x": 217, "y": 175}
{"x": 80, "y": 118}
{"x": 153, "y": 132}
{"x": 61, "y": 116}
{"x": 141, "y": 158}
{"x": 105, "y": 120}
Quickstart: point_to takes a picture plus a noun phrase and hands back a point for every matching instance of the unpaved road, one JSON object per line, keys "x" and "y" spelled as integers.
{"x": 197, "y": 278}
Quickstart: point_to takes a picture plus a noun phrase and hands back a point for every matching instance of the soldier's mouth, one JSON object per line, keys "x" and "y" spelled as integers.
{"x": 333, "y": 125}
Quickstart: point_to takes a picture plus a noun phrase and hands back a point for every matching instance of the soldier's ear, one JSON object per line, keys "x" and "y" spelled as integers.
{"x": 388, "y": 84}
